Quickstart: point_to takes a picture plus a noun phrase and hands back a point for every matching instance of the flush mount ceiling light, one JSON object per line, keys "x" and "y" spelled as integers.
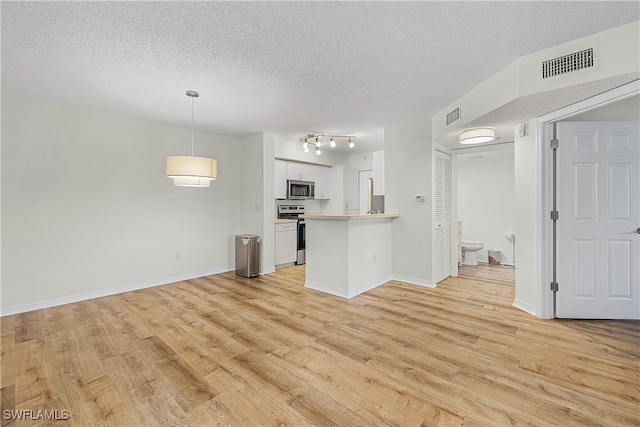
{"x": 477, "y": 135}
{"x": 192, "y": 171}
{"x": 318, "y": 142}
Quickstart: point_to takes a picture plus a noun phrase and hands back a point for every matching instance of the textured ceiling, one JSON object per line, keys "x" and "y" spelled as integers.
{"x": 287, "y": 68}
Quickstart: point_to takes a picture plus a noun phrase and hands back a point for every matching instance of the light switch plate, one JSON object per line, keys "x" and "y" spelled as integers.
{"x": 421, "y": 197}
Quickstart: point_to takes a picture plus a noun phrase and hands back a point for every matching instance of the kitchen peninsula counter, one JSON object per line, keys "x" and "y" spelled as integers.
{"x": 348, "y": 254}
{"x": 347, "y": 217}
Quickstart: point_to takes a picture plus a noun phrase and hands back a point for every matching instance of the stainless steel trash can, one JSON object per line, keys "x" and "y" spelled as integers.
{"x": 247, "y": 255}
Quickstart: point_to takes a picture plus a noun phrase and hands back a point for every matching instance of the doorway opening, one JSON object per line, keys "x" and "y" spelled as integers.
{"x": 486, "y": 208}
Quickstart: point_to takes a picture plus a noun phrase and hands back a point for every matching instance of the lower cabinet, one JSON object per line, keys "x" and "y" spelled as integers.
{"x": 286, "y": 244}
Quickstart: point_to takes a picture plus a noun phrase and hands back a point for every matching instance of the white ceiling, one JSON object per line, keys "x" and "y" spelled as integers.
{"x": 287, "y": 68}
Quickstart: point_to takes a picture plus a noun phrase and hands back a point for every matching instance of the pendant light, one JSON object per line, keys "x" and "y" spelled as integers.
{"x": 192, "y": 171}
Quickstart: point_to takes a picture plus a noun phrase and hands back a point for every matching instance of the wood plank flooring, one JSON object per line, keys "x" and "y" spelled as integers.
{"x": 225, "y": 350}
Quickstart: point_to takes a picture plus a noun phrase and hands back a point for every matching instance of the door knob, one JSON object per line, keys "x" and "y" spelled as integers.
{"x": 638, "y": 230}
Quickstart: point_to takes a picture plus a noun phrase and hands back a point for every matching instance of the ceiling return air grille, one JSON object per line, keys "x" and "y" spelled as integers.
{"x": 568, "y": 63}
{"x": 453, "y": 116}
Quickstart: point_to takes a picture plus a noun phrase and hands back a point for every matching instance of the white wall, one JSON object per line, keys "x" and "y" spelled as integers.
{"x": 486, "y": 200}
{"x": 252, "y": 188}
{"x": 362, "y": 161}
{"x": 408, "y": 171}
{"x": 626, "y": 109}
{"x": 258, "y": 209}
{"x": 528, "y": 207}
{"x": 86, "y": 205}
{"x": 268, "y": 255}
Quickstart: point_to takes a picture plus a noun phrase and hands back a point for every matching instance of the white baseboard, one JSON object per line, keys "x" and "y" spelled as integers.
{"x": 526, "y": 307}
{"x": 268, "y": 271}
{"x": 369, "y": 285}
{"x": 23, "y": 308}
{"x": 326, "y": 289}
{"x": 347, "y": 293}
{"x": 414, "y": 281}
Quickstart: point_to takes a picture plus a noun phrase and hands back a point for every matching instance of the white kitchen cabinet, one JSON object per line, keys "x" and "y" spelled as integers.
{"x": 280, "y": 179}
{"x": 322, "y": 178}
{"x": 378, "y": 173}
{"x": 300, "y": 171}
{"x": 286, "y": 244}
{"x": 344, "y": 191}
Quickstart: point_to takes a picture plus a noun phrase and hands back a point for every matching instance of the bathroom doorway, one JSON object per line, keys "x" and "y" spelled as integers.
{"x": 486, "y": 204}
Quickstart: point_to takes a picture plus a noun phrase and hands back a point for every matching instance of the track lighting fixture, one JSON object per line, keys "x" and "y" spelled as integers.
{"x": 318, "y": 142}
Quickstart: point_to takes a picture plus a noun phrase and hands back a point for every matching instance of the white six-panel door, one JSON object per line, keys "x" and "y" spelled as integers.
{"x": 598, "y": 245}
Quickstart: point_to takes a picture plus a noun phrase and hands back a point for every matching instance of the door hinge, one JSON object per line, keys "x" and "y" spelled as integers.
{"x": 555, "y": 144}
{"x": 555, "y": 215}
{"x": 554, "y": 287}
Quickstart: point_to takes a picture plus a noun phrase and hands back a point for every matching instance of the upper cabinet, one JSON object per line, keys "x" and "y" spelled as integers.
{"x": 285, "y": 170}
{"x": 300, "y": 171}
{"x": 344, "y": 191}
{"x": 322, "y": 176}
{"x": 280, "y": 179}
{"x": 378, "y": 173}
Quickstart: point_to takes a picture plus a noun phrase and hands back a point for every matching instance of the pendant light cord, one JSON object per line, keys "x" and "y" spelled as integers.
{"x": 191, "y": 126}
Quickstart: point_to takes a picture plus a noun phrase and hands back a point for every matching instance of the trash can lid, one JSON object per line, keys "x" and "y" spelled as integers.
{"x": 246, "y": 236}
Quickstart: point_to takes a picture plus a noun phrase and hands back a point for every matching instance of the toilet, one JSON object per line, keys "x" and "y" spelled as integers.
{"x": 470, "y": 250}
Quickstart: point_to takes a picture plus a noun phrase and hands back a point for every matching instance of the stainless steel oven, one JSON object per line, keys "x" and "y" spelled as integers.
{"x": 302, "y": 238}
{"x": 294, "y": 212}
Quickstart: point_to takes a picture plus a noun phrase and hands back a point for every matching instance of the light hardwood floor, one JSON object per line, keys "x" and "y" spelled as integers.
{"x": 224, "y": 350}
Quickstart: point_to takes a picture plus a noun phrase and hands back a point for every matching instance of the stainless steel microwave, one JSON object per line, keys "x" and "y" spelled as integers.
{"x": 300, "y": 190}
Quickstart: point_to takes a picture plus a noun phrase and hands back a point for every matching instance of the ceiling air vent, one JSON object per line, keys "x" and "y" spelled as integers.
{"x": 453, "y": 116}
{"x": 568, "y": 63}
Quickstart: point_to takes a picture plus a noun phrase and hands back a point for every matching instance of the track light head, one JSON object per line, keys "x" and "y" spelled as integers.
{"x": 332, "y": 142}
{"x": 351, "y": 144}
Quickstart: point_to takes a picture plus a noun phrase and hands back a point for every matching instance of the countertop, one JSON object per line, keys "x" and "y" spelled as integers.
{"x": 285, "y": 221}
{"x": 347, "y": 217}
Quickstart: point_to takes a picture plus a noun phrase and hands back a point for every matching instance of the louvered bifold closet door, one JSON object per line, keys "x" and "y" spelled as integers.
{"x": 442, "y": 217}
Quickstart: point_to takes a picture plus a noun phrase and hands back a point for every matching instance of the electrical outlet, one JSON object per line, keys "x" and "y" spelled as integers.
{"x": 375, "y": 257}
{"x": 178, "y": 255}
